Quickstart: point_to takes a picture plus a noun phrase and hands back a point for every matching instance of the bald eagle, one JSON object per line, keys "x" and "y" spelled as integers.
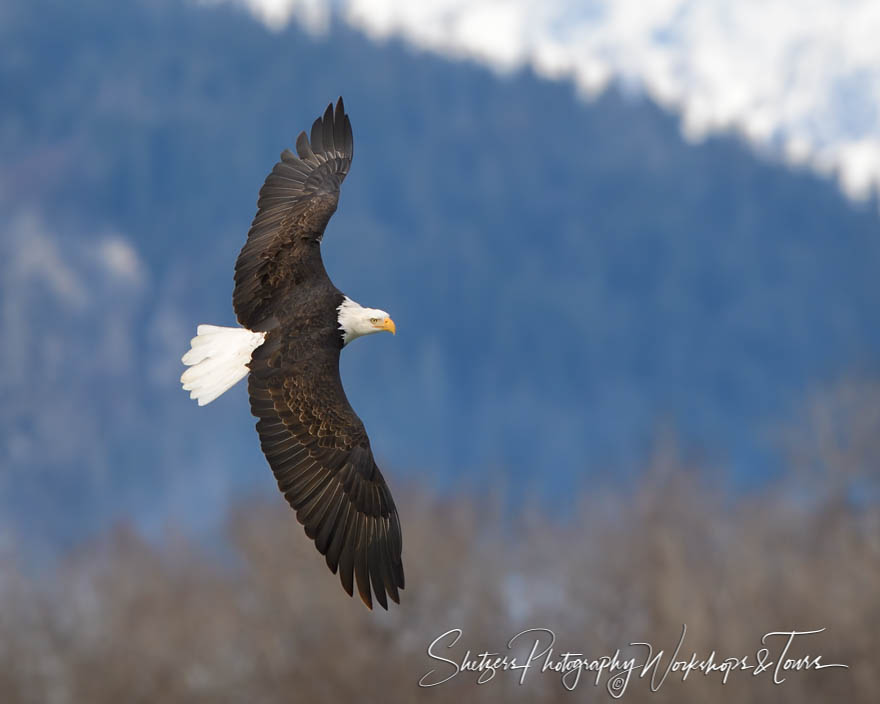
{"x": 294, "y": 324}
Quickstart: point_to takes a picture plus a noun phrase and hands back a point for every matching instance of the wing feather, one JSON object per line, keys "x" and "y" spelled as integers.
{"x": 304, "y": 149}
{"x": 327, "y": 132}
{"x": 317, "y": 140}
{"x": 339, "y": 129}
{"x": 334, "y": 551}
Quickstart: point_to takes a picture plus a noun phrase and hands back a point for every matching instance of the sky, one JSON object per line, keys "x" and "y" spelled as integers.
{"x": 800, "y": 79}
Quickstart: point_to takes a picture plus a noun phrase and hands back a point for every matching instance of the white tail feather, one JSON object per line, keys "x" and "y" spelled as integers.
{"x": 218, "y": 360}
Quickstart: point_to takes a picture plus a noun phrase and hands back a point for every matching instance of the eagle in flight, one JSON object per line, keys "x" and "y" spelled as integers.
{"x": 294, "y": 324}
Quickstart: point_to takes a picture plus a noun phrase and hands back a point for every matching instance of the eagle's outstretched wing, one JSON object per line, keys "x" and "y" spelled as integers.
{"x": 296, "y": 202}
{"x": 320, "y": 455}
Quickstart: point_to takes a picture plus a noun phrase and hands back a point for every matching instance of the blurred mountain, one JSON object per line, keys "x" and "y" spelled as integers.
{"x": 566, "y": 277}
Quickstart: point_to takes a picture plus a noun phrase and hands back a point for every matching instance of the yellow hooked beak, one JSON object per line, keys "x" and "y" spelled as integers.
{"x": 387, "y": 324}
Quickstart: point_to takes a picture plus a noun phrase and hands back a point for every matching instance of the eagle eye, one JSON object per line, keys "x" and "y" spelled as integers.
{"x": 374, "y": 320}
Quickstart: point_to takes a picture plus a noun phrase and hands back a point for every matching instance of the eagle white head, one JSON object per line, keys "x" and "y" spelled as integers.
{"x": 357, "y": 321}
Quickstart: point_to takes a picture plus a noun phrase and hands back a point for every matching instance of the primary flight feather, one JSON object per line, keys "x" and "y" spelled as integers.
{"x": 295, "y": 323}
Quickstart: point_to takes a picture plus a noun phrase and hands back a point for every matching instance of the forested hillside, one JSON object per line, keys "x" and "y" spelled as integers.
{"x": 566, "y": 277}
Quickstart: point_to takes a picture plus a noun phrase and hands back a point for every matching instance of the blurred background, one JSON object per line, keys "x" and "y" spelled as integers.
{"x": 632, "y": 252}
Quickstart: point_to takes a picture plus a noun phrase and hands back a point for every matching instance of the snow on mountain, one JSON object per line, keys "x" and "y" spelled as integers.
{"x": 801, "y": 80}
